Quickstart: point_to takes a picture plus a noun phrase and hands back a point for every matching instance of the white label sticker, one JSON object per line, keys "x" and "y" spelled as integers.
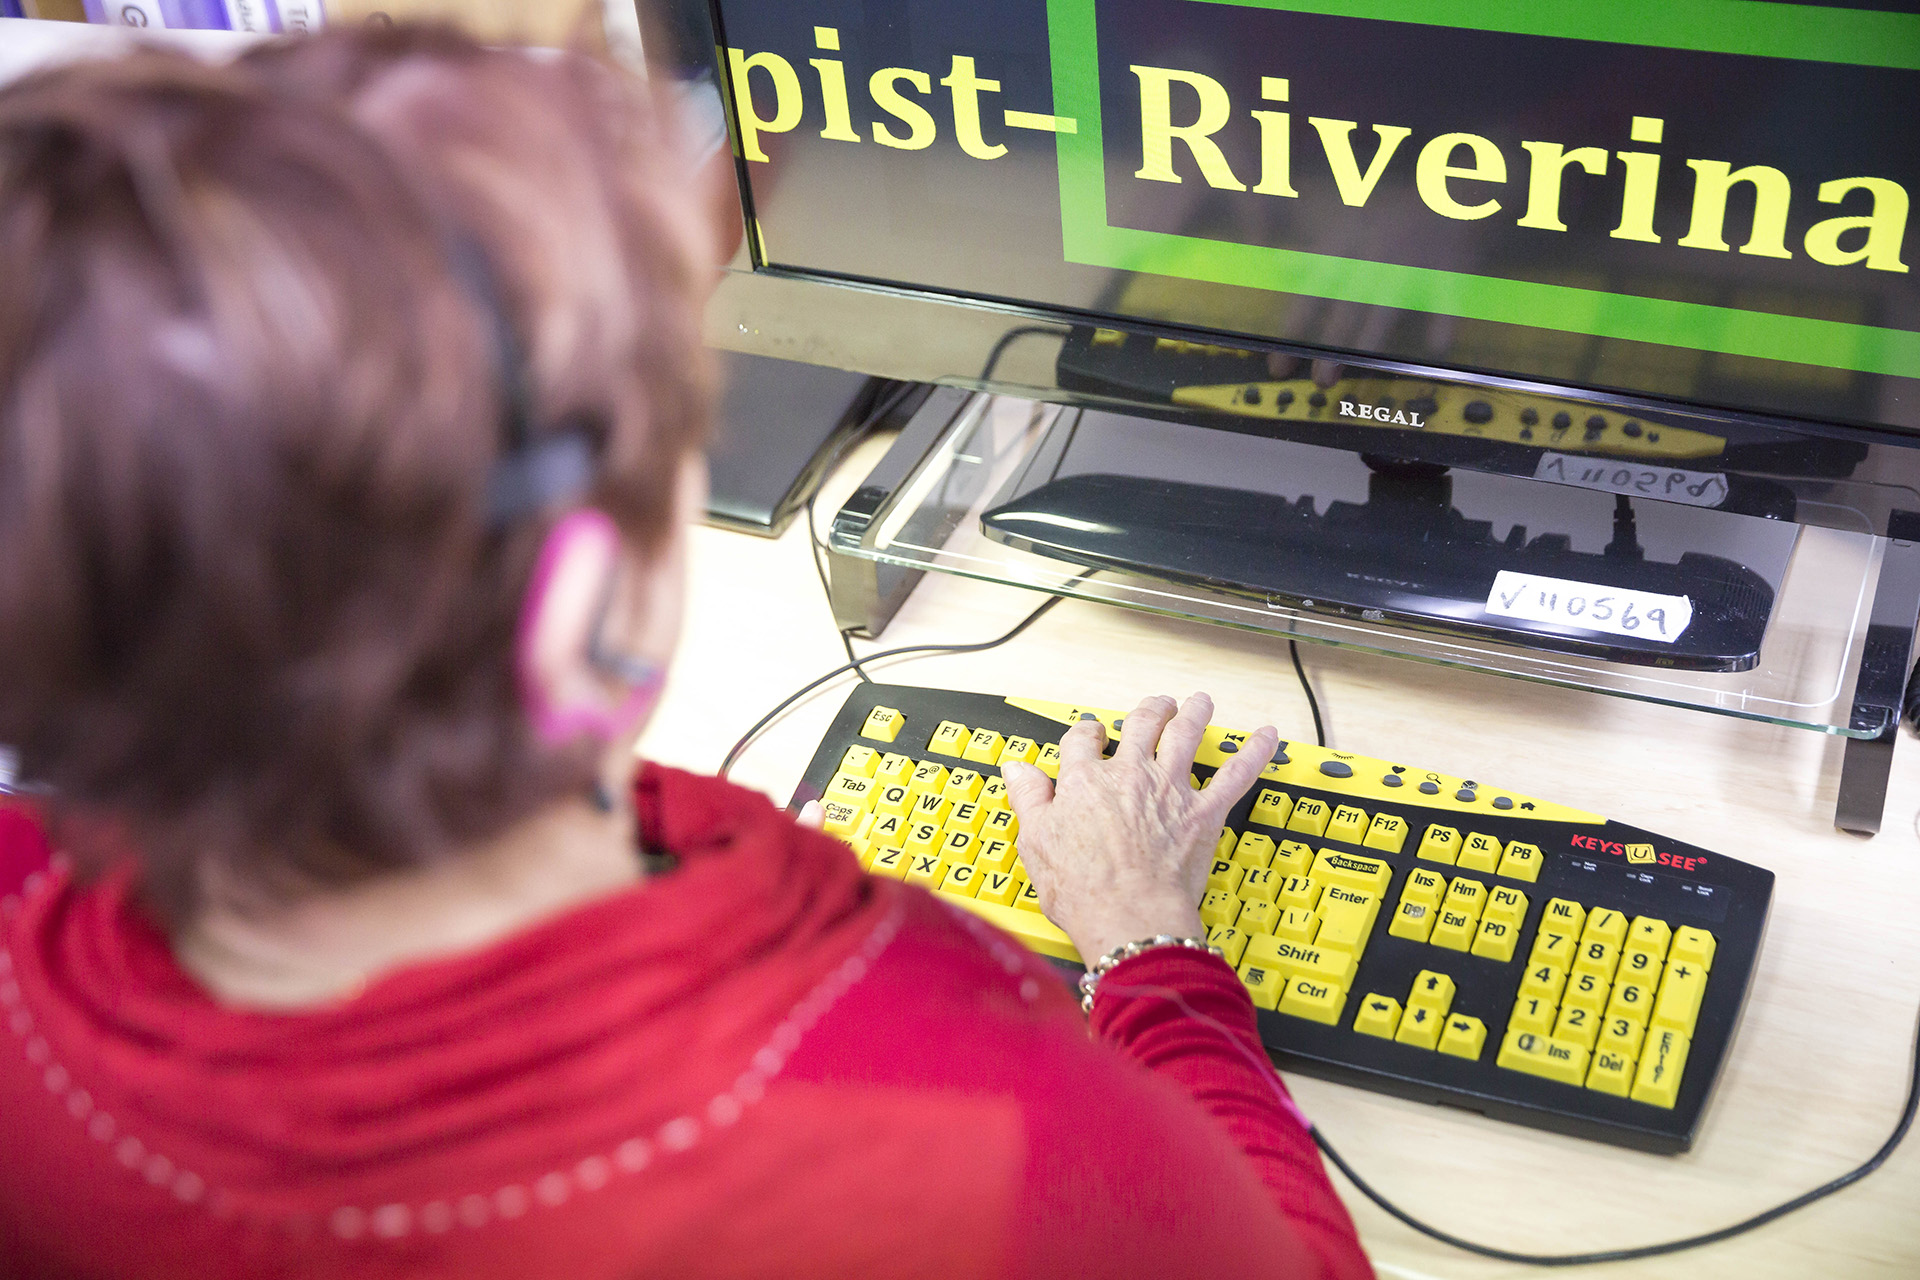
{"x": 1643, "y": 615}
{"x": 1635, "y": 479}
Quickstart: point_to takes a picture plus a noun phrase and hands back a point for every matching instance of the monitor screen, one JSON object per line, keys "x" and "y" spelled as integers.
{"x": 1703, "y": 201}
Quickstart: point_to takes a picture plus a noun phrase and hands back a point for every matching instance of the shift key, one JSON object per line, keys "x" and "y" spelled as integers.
{"x": 1297, "y": 960}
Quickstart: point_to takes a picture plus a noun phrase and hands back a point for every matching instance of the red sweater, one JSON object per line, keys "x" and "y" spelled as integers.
{"x": 763, "y": 1063}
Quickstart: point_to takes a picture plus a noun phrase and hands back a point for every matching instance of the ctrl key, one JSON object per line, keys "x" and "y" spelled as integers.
{"x": 1661, "y": 1065}
{"x": 1539, "y": 1055}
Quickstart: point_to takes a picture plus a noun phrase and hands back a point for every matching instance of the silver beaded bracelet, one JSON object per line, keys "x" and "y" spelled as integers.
{"x": 1090, "y": 980}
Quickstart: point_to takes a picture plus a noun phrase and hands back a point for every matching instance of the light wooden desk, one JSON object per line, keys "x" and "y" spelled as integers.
{"x": 1818, "y": 1069}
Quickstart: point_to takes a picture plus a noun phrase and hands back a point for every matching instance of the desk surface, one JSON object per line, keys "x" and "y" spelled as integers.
{"x": 1818, "y": 1069}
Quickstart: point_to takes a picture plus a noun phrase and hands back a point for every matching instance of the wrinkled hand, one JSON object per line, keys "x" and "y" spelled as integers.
{"x": 1119, "y": 849}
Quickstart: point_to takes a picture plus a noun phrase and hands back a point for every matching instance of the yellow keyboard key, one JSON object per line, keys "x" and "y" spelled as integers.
{"x": 999, "y": 824}
{"x": 963, "y": 785}
{"x": 1018, "y": 751}
{"x": 1347, "y": 823}
{"x": 1225, "y": 845}
{"x": 1553, "y": 947}
{"x": 1480, "y": 853}
{"x": 1539, "y": 1054}
{"x": 949, "y": 739}
{"x": 994, "y": 855}
{"x": 1464, "y": 1037}
{"x": 1292, "y": 858}
{"x": 1225, "y": 876}
{"x": 1028, "y": 899}
{"x": 1263, "y": 984}
{"x": 931, "y": 808}
{"x": 1432, "y": 991}
{"x": 956, "y": 848}
{"x": 1230, "y": 940}
{"x": 962, "y": 881}
{"x": 1412, "y": 920}
{"x": 1351, "y": 871}
{"x": 997, "y": 886}
{"x": 1310, "y": 816}
{"x": 855, "y": 789}
{"x": 1346, "y": 919}
{"x": 1598, "y": 957}
{"x": 1296, "y": 924}
{"x": 1440, "y": 844}
{"x": 984, "y": 746}
{"x": 1611, "y": 1072}
{"x": 1219, "y": 908}
{"x": 1379, "y": 1016}
{"x": 839, "y": 818}
{"x": 926, "y": 869}
{"x": 1642, "y": 966}
{"x": 861, "y": 761}
{"x": 1648, "y": 934}
{"x": 1424, "y": 886}
{"x": 1585, "y": 991}
{"x": 1271, "y": 808}
{"x": 1388, "y": 833}
{"x": 1661, "y": 1067}
{"x": 1605, "y": 925}
{"x": 1420, "y": 1027}
{"x": 1048, "y": 761}
{"x": 1564, "y": 915}
{"x": 1465, "y": 895}
{"x": 1509, "y": 906}
{"x": 1295, "y": 960}
{"x": 1577, "y": 1026}
{"x": 883, "y": 724}
{"x": 1622, "y": 1035}
{"x": 890, "y": 861}
{"x": 922, "y": 837}
{"x": 928, "y": 779}
{"x": 1035, "y": 931}
{"x": 968, "y": 817}
{"x": 993, "y": 796}
{"x": 1632, "y": 999}
{"x": 1678, "y": 1003}
{"x": 1544, "y": 980}
{"x": 1695, "y": 946}
{"x": 1261, "y": 886}
{"x": 1496, "y": 940}
{"x": 894, "y": 768}
{"x": 1452, "y": 930}
{"x": 893, "y": 798}
{"x": 1254, "y": 851}
{"x": 887, "y": 828}
{"x": 1313, "y": 1000}
{"x": 1522, "y": 862}
{"x": 1299, "y": 891}
{"x": 1257, "y": 917}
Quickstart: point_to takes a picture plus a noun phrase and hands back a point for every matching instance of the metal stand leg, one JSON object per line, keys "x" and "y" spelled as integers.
{"x": 1877, "y": 695}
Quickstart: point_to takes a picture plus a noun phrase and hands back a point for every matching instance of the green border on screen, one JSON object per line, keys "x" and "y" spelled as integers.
{"x": 1750, "y": 27}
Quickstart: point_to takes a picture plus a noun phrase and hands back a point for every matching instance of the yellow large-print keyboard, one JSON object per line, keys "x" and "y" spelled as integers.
{"x": 1428, "y": 936}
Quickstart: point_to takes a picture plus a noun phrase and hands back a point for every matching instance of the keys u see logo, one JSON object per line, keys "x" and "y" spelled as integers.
{"x": 1638, "y": 854}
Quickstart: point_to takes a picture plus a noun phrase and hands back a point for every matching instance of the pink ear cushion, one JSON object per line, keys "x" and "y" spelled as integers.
{"x": 557, "y": 726}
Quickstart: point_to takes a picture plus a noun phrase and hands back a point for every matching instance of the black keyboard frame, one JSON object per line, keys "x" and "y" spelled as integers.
{"x": 1727, "y": 897}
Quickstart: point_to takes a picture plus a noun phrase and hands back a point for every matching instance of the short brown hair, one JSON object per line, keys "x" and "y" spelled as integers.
{"x": 250, "y": 607}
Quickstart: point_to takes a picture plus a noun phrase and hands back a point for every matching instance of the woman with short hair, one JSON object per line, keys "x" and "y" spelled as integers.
{"x": 351, "y": 400}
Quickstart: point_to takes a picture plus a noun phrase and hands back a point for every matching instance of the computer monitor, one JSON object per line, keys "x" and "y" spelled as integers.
{"x": 1704, "y": 203}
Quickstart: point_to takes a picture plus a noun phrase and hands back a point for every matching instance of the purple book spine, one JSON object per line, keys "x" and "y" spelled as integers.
{"x": 196, "y": 14}
{"x": 10, "y": 9}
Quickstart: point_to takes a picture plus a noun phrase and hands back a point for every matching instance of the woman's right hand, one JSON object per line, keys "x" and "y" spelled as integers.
{"x": 1118, "y": 849}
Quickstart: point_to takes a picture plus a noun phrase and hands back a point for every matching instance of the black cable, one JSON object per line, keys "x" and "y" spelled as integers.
{"x": 1013, "y": 335}
{"x": 1652, "y": 1250}
{"x": 747, "y": 737}
{"x": 1313, "y": 703}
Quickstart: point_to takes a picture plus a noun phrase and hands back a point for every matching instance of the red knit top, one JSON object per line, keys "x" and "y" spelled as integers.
{"x": 762, "y": 1063}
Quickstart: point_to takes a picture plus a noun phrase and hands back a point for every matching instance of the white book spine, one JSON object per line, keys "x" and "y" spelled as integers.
{"x": 301, "y": 15}
{"x": 135, "y": 13}
{"x": 250, "y": 15}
